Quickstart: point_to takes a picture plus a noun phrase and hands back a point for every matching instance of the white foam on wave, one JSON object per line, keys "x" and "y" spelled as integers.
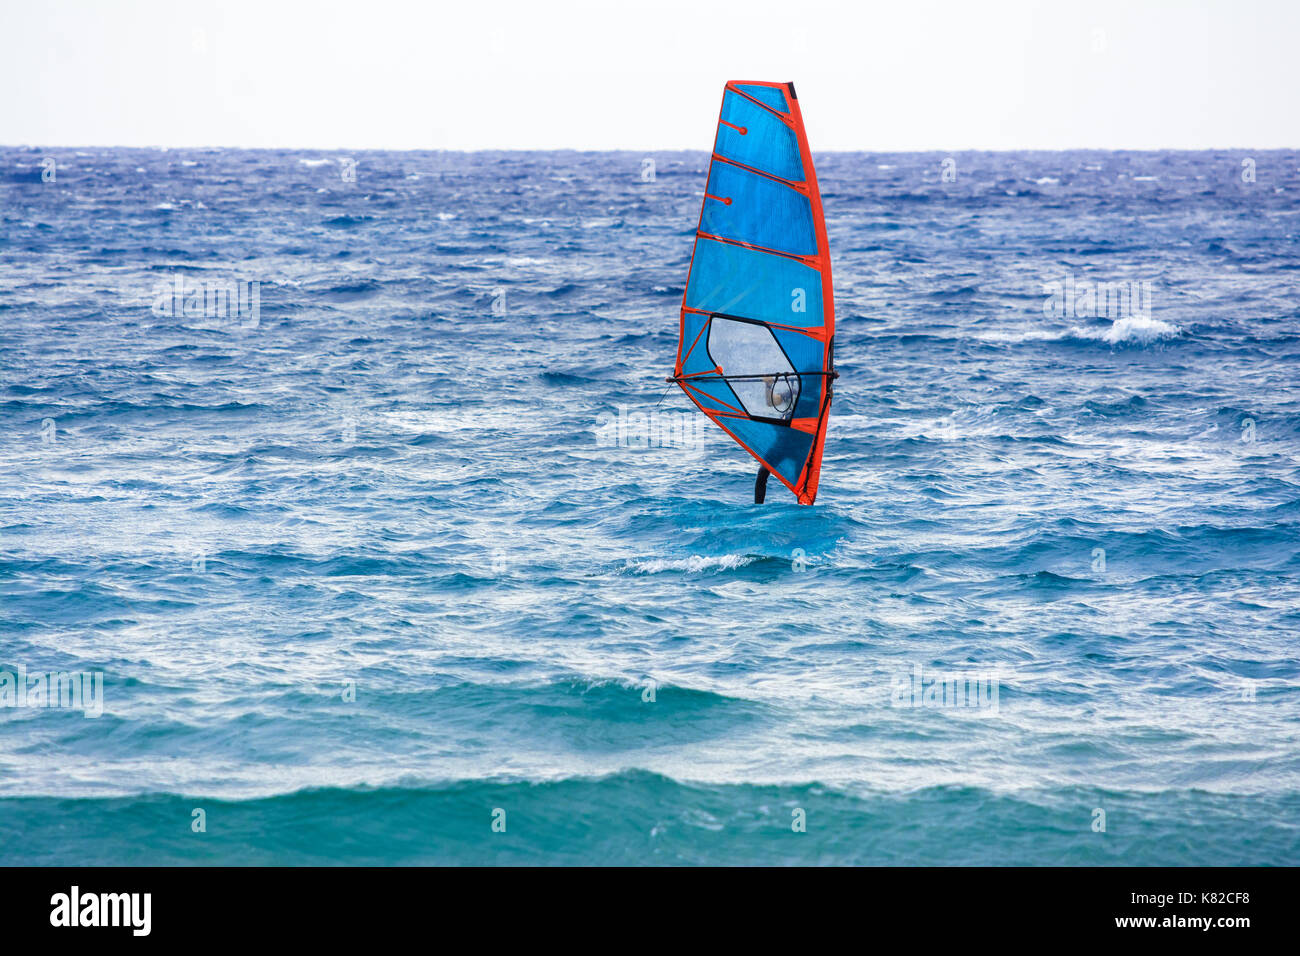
{"x": 1134, "y": 329}
{"x": 695, "y": 563}
{"x": 315, "y": 162}
{"x": 1142, "y": 329}
{"x": 1019, "y": 335}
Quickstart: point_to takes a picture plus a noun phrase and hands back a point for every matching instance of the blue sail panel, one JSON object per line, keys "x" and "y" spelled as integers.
{"x": 768, "y": 95}
{"x": 754, "y": 285}
{"x": 784, "y": 449}
{"x": 754, "y": 209}
{"x": 755, "y": 137}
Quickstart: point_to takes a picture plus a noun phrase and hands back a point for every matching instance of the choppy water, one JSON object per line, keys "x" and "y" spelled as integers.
{"x": 389, "y": 478}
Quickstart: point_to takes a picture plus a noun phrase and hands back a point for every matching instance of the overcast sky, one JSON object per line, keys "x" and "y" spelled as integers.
{"x": 478, "y": 74}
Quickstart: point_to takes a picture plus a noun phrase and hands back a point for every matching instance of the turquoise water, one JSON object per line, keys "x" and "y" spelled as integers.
{"x": 362, "y": 574}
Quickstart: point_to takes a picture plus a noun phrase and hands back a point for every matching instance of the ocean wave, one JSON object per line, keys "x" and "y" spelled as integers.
{"x": 393, "y": 480}
{"x": 635, "y": 818}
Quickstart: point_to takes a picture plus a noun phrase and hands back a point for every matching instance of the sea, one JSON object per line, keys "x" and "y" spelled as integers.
{"x": 345, "y": 499}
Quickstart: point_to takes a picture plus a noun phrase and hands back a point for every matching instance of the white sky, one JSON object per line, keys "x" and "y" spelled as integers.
{"x": 479, "y": 74}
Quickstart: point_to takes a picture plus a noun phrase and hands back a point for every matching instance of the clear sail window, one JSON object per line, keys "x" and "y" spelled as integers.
{"x": 755, "y": 366}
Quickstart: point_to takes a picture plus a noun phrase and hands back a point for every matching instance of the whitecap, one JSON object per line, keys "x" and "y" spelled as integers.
{"x": 1020, "y": 335}
{"x": 1141, "y": 329}
{"x": 695, "y": 563}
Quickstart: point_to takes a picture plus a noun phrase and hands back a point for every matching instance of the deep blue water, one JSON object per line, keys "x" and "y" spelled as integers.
{"x": 390, "y": 478}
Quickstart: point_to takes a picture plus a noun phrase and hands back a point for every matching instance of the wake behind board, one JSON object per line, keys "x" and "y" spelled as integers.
{"x": 756, "y": 348}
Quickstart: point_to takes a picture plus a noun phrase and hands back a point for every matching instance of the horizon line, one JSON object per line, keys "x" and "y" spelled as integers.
{"x": 639, "y": 150}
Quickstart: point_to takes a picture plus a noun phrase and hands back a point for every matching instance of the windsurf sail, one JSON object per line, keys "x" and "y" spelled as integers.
{"x": 758, "y": 317}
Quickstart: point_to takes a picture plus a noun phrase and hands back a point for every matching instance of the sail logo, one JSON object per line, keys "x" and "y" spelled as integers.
{"x": 233, "y": 300}
{"x": 132, "y": 910}
{"x": 1072, "y": 298}
{"x": 974, "y": 692}
{"x": 83, "y": 691}
{"x": 646, "y": 430}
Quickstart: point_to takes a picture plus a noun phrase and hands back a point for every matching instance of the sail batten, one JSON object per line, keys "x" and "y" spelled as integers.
{"x": 755, "y": 353}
